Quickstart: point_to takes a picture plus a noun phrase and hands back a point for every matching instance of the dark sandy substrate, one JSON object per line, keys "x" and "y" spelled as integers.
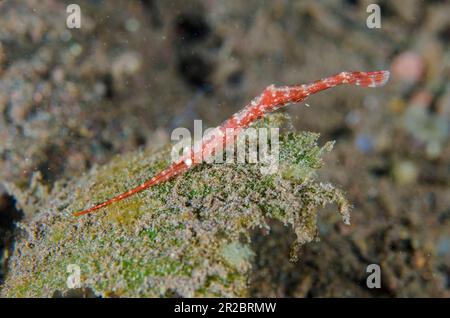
{"x": 136, "y": 70}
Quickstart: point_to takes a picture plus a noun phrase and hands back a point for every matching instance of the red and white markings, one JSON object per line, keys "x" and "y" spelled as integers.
{"x": 271, "y": 99}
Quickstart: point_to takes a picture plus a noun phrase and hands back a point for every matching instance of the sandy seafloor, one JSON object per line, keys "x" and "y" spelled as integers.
{"x": 136, "y": 70}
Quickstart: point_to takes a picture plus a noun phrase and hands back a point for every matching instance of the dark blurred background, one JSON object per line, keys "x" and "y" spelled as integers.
{"x": 135, "y": 70}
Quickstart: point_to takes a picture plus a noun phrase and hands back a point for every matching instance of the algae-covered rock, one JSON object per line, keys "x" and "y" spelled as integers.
{"x": 187, "y": 237}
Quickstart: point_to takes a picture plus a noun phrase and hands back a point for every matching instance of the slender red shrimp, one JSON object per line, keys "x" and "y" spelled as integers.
{"x": 270, "y": 100}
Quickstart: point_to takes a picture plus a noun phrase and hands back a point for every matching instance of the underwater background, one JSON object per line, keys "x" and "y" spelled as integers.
{"x": 82, "y": 111}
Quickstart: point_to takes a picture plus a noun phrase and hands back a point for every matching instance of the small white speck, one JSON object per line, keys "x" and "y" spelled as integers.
{"x": 188, "y": 162}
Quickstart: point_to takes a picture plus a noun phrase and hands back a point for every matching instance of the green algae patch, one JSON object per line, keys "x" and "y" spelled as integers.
{"x": 187, "y": 237}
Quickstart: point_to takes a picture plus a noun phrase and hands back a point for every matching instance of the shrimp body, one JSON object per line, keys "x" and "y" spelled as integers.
{"x": 271, "y": 99}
